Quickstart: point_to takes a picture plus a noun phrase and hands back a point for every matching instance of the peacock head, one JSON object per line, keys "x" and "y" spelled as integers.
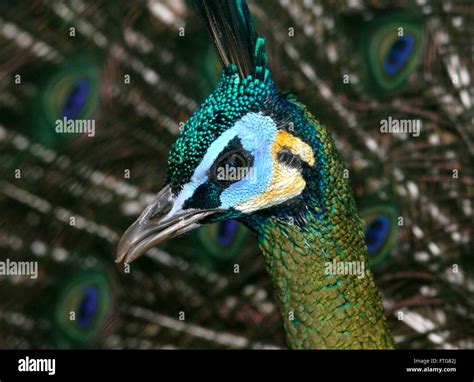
{"x": 242, "y": 155}
{"x": 248, "y": 153}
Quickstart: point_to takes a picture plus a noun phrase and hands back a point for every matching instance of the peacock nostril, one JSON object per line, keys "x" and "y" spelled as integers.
{"x": 160, "y": 209}
{"x": 162, "y": 205}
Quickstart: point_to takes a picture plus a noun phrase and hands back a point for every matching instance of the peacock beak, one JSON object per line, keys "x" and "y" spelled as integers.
{"x": 157, "y": 223}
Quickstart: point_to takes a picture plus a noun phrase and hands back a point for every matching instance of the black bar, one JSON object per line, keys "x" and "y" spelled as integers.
{"x": 158, "y": 365}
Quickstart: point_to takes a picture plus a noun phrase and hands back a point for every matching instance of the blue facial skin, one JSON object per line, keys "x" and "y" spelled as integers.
{"x": 88, "y": 307}
{"x": 76, "y": 99}
{"x": 376, "y": 233}
{"x": 254, "y": 133}
{"x": 398, "y": 54}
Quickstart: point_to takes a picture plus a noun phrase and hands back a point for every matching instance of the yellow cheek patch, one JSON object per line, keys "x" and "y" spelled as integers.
{"x": 295, "y": 145}
{"x": 287, "y": 182}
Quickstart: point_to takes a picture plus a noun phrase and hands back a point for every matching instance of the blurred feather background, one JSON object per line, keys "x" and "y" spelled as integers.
{"x": 138, "y": 69}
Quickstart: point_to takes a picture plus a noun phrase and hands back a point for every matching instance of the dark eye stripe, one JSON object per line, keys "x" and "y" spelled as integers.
{"x": 286, "y": 157}
{"x": 207, "y": 195}
{"x": 234, "y": 144}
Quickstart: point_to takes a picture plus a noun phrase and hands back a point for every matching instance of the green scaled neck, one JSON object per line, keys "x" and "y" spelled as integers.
{"x": 324, "y": 302}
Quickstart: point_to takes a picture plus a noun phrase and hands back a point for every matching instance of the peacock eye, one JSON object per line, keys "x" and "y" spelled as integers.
{"x": 231, "y": 167}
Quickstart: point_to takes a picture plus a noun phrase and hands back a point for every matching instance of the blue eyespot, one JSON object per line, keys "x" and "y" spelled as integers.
{"x": 76, "y": 99}
{"x": 226, "y": 232}
{"x": 376, "y": 233}
{"x": 398, "y": 54}
{"x": 88, "y": 307}
{"x": 87, "y": 295}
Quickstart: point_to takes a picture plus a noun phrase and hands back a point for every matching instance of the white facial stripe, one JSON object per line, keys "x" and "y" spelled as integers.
{"x": 211, "y": 155}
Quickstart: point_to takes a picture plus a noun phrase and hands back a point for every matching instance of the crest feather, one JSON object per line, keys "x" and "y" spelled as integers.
{"x": 234, "y": 36}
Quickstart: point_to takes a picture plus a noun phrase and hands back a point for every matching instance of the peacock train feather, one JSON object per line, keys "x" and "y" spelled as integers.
{"x": 140, "y": 70}
{"x": 223, "y": 240}
{"x": 70, "y": 91}
{"x": 392, "y": 46}
{"x": 81, "y": 306}
{"x": 381, "y": 228}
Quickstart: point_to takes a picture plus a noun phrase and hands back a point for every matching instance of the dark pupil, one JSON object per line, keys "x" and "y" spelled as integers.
{"x": 235, "y": 160}
{"x": 231, "y": 168}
